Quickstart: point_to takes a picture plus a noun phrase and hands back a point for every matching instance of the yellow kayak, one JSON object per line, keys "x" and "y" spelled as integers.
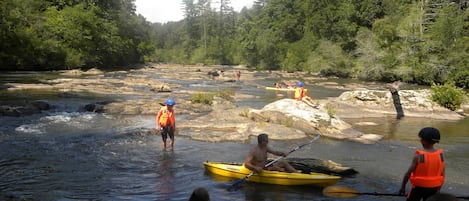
{"x": 235, "y": 170}
{"x": 281, "y": 89}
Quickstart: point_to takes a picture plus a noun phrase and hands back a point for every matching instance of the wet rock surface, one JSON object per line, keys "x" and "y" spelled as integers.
{"x": 223, "y": 120}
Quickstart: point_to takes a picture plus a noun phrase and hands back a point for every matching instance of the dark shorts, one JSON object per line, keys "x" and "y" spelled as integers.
{"x": 165, "y": 131}
{"x": 418, "y": 193}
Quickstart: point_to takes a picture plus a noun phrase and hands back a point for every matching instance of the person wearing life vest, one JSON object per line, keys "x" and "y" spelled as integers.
{"x": 427, "y": 170}
{"x": 300, "y": 95}
{"x": 165, "y": 122}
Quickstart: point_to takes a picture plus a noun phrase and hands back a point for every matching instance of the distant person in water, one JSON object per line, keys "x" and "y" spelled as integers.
{"x": 394, "y": 89}
{"x": 257, "y": 157}
{"x": 427, "y": 170}
{"x": 200, "y": 194}
{"x": 166, "y": 123}
{"x": 238, "y": 75}
{"x": 300, "y": 95}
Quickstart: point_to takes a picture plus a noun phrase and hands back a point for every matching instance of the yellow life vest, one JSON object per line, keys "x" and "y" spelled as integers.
{"x": 300, "y": 93}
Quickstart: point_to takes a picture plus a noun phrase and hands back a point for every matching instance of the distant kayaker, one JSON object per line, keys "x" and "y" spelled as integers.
{"x": 277, "y": 85}
{"x": 165, "y": 122}
{"x": 300, "y": 95}
{"x": 427, "y": 170}
{"x": 257, "y": 158}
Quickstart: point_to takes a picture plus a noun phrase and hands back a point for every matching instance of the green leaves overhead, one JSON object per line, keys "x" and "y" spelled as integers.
{"x": 62, "y": 34}
{"x": 382, "y": 40}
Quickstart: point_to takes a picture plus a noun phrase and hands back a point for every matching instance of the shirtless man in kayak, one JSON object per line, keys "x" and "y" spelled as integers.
{"x": 257, "y": 157}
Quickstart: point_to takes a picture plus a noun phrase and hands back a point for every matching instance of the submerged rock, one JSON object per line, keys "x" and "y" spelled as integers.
{"x": 22, "y": 108}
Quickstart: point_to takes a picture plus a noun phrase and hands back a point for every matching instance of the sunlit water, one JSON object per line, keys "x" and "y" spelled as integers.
{"x": 67, "y": 154}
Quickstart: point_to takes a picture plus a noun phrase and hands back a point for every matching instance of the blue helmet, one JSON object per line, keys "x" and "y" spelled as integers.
{"x": 300, "y": 84}
{"x": 170, "y": 102}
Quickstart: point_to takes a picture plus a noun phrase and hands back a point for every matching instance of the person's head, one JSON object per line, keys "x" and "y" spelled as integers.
{"x": 200, "y": 194}
{"x": 170, "y": 102}
{"x": 300, "y": 84}
{"x": 430, "y": 135}
{"x": 262, "y": 138}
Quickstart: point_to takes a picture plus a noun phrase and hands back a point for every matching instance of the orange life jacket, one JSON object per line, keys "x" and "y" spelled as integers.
{"x": 299, "y": 93}
{"x": 429, "y": 170}
{"x": 165, "y": 117}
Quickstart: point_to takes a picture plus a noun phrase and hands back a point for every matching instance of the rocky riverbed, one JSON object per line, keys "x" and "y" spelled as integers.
{"x": 223, "y": 120}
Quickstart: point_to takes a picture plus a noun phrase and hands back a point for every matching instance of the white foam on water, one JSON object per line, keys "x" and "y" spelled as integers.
{"x": 61, "y": 120}
{"x": 29, "y": 128}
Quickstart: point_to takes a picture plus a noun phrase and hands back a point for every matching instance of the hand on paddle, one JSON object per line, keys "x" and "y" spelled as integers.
{"x": 258, "y": 169}
{"x": 279, "y": 153}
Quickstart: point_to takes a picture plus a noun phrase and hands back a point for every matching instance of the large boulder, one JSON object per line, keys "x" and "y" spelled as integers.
{"x": 283, "y": 120}
{"x": 377, "y": 103}
{"x": 311, "y": 120}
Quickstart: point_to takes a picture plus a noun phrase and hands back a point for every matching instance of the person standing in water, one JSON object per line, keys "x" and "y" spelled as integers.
{"x": 166, "y": 123}
{"x": 427, "y": 170}
{"x": 394, "y": 89}
{"x": 238, "y": 75}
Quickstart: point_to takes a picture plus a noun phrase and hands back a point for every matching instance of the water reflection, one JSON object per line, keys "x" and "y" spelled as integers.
{"x": 165, "y": 175}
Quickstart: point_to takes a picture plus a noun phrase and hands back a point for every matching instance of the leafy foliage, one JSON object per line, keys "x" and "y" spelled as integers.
{"x": 448, "y": 95}
{"x": 208, "y": 97}
{"x": 48, "y": 34}
{"x": 382, "y": 40}
{"x": 203, "y": 97}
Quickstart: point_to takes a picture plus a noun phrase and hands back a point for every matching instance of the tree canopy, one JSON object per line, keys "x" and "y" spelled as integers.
{"x": 415, "y": 41}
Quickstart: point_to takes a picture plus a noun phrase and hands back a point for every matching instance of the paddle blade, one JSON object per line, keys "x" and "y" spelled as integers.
{"x": 345, "y": 192}
{"x": 237, "y": 184}
{"x": 340, "y": 192}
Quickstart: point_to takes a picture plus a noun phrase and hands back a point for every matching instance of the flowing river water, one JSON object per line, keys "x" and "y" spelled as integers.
{"x": 68, "y": 154}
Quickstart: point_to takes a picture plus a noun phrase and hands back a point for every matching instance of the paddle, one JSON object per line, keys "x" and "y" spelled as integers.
{"x": 239, "y": 182}
{"x": 346, "y": 192}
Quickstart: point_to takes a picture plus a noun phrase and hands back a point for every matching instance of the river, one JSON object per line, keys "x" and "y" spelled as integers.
{"x": 68, "y": 154}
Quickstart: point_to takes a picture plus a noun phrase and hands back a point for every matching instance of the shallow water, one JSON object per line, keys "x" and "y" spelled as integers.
{"x": 65, "y": 154}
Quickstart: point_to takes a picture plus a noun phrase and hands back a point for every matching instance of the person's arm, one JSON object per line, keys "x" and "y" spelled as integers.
{"x": 443, "y": 172}
{"x": 277, "y": 153}
{"x": 406, "y": 177}
{"x": 248, "y": 162}
{"x": 173, "y": 121}
{"x": 158, "y": 119}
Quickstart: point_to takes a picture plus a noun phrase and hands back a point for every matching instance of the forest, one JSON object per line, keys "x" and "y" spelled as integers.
{"x": 415, "y": 41}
